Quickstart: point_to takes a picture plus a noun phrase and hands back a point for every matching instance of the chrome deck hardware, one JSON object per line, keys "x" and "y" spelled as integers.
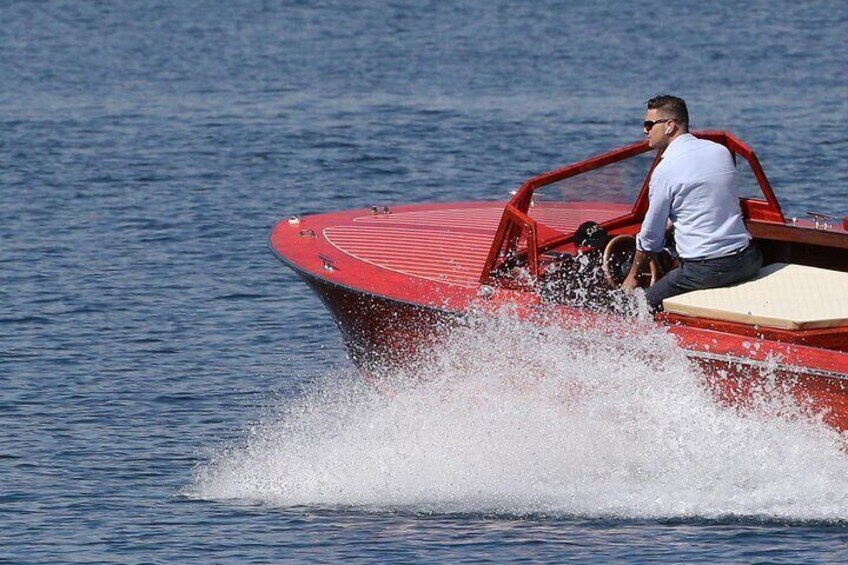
{"x": 485, "y": 291}
{"x": 328, "y": 263}
{"x": 306, "y": 233}
{"x": 377, "y": 210}
{"x": 294, "y": 220}
{"x": 823, "y": 221}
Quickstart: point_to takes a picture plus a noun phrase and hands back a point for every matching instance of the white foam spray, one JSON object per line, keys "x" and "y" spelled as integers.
{"x": 517, "y": 418}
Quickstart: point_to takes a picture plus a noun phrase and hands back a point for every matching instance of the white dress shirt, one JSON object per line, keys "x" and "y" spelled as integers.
{"x": 694, "y": 184}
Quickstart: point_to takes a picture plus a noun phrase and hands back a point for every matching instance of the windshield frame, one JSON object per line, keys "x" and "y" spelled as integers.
{"x": 505, "y": 251}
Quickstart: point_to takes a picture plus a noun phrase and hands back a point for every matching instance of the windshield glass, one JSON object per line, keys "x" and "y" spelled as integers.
{"x": 593, "y": 195}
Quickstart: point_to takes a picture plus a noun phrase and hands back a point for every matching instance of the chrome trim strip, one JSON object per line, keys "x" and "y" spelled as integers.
{"x": 796, "y": 369}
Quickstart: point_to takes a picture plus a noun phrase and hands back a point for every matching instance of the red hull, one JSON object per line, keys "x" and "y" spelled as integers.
{"x": 383, "y": 335}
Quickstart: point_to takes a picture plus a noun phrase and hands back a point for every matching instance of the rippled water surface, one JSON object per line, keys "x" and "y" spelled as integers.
{"x": 170, "y": 393}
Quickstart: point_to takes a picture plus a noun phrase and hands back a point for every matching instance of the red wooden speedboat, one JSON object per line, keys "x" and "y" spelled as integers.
{"x": 396, "y": 279}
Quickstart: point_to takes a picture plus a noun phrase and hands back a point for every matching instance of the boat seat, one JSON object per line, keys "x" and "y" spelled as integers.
{"x": 786, "y": 296}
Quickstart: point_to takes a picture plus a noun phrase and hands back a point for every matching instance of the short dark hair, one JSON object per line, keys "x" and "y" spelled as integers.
{"x": 676, "y": 108}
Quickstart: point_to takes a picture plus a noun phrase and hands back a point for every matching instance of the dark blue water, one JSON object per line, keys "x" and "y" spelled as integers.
{"x": 146, "y": 149}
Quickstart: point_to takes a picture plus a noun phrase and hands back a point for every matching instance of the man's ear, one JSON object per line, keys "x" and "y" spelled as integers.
{"x": 668, "y": 130}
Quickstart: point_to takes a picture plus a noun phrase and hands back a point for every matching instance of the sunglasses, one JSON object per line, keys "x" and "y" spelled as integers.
{"x": 648, "y": 125}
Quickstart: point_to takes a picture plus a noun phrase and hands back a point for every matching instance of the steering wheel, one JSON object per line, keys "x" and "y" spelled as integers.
{"x": 618, "y": 258}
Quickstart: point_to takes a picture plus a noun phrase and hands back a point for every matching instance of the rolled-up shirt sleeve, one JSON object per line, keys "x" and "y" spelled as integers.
{"x": 652, "y": 235}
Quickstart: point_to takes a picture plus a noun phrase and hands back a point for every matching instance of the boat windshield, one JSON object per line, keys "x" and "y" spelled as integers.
{"x": 609, "y": 189}
{"x": 617, "y": 183}
{"x": 747, "y": 181}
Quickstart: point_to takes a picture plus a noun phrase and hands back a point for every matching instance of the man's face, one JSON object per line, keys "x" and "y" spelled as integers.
{"x": 657, "y": 138}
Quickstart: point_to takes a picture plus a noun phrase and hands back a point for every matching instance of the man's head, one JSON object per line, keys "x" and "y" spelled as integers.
{"x": 666, "y": 119}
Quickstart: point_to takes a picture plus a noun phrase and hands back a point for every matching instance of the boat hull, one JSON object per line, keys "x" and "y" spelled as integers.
{"x": 384, "y": 336}
{"x": 381, "y": 334}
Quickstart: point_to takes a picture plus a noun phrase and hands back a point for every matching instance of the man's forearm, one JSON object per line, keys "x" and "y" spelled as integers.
{"x": 640, "y": 259}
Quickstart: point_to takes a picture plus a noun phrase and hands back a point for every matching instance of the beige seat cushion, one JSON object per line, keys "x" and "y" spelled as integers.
{"x": 787, "y": 296}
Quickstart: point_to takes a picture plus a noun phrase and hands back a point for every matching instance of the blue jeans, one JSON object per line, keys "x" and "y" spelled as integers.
{"x": 706, "y": 273}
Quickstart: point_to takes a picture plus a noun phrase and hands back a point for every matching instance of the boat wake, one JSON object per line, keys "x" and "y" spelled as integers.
{"x": 514, "y": 418}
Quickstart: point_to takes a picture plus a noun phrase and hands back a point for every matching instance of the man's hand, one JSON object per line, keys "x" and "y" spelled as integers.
{"x": 640, "y": 259}
{"x": 631, "y": 282}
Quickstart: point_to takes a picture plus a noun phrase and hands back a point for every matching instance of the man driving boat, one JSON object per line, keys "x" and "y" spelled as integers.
{"x": 695, "y": 187}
